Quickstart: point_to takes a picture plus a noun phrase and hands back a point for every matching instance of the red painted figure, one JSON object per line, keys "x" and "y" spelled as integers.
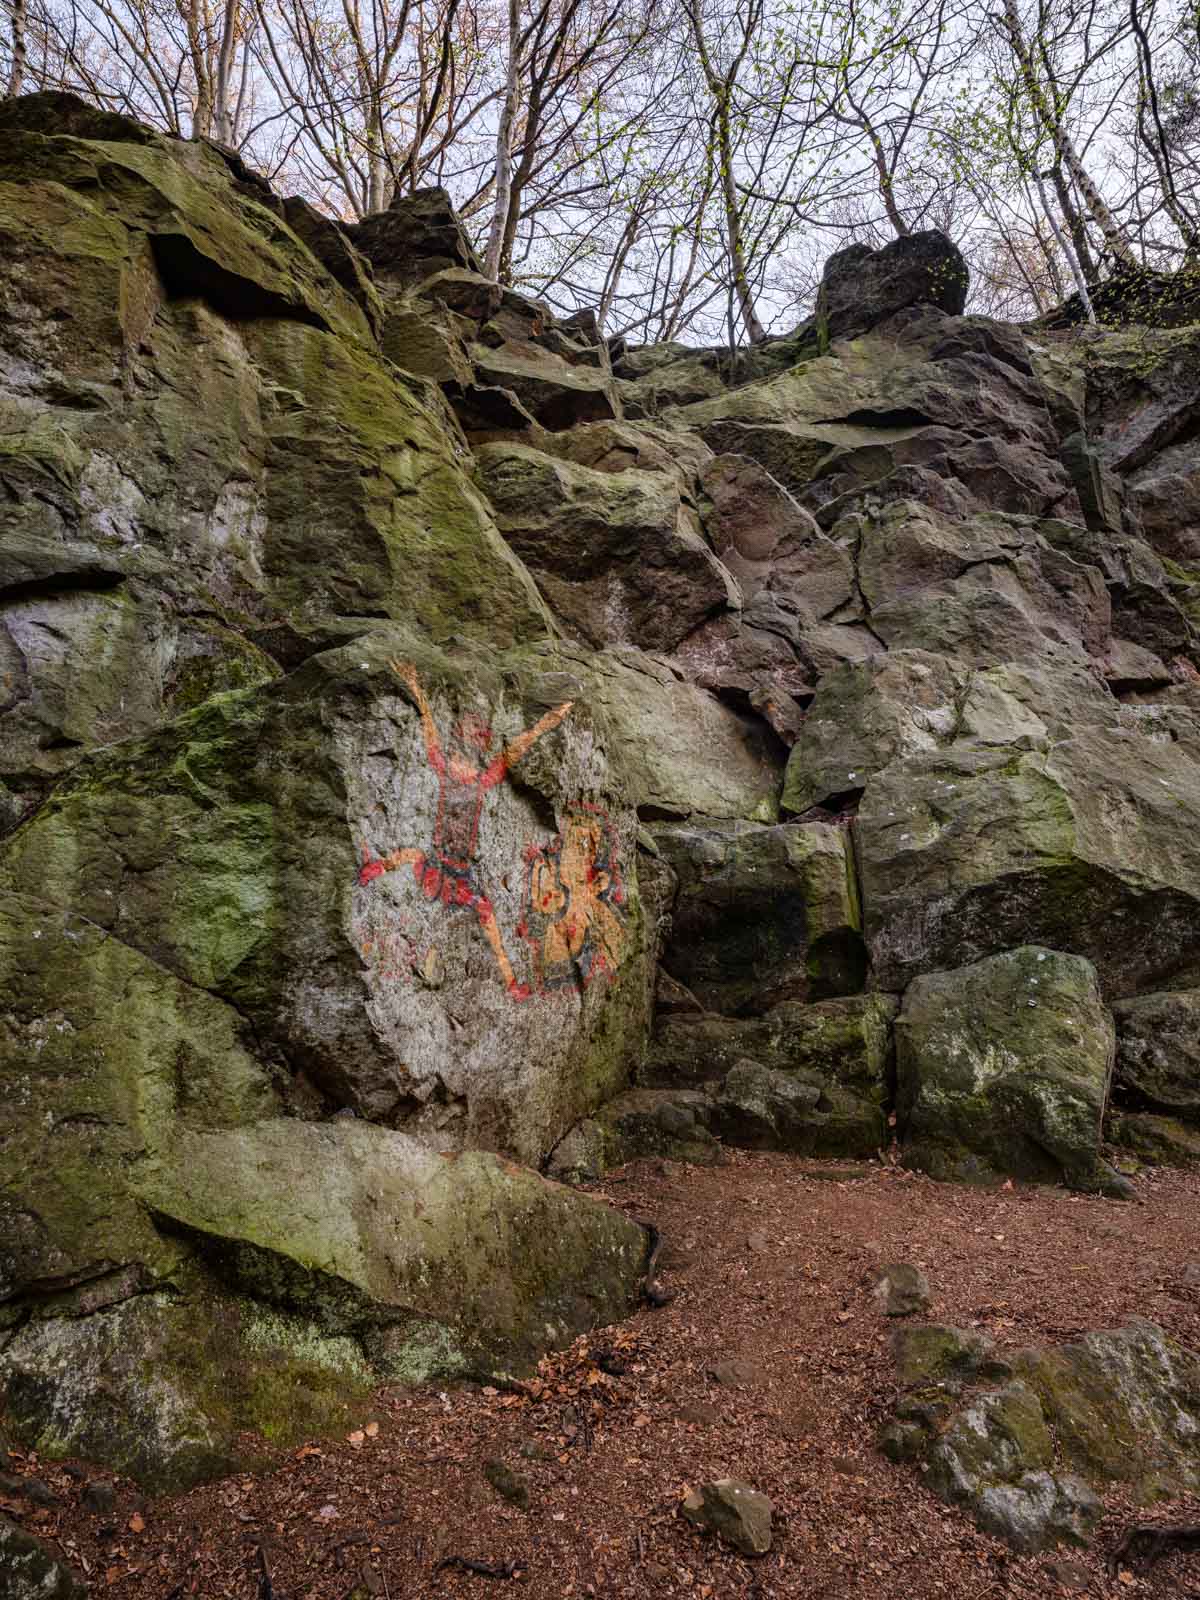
{"x": 447, "y": 872}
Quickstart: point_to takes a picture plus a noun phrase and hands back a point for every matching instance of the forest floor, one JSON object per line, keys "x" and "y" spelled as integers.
{"x": 769, "y": 1258}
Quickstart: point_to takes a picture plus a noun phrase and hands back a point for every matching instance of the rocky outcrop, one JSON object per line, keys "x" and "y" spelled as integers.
{"x": 432, "y": 740}
{"x": 1025, "y": 1440}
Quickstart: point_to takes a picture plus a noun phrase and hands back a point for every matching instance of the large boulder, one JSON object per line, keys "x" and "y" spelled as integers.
{"x": 1003, "y": 1068}
{"x": 418, "y": 234}
{"x": 395, "y": 868}
{"x": 29, "y": 1569}
{"x": 200, "y": 1262}
{"x": 861, "y": 287}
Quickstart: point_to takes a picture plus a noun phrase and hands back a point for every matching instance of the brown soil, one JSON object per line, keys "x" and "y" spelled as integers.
{"x": 769, "y": 1258}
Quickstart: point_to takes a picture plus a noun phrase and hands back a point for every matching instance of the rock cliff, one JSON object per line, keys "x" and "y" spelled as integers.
{"x": 434, "y": 739}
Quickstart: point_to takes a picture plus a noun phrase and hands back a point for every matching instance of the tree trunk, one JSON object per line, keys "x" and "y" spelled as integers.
{"x": 1063, "y": 146}
{"x": 223, "y": 118}
{"x": 19, "y": 52}
{"x": 755, "y": 331}
{"x": 500, "y": 231}
{"x": 1075, "y": 223}
{"x": 1060, "y": 239}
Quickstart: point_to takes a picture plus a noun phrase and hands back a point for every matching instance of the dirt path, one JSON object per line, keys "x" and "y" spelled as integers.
{"x": 768, "y": 1257}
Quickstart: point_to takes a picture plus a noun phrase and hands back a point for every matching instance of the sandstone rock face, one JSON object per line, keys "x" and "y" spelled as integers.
{"x": 396, "y": 692}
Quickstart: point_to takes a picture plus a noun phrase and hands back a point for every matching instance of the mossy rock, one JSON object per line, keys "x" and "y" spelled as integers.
{"x": 1003, "y": 1067}
{"x": 173, "y": 1391}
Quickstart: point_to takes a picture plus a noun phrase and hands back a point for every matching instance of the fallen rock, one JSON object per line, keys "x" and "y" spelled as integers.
{"x": 1121, "y": 1406}
{"x": 935, "y": 1354}
{"x": 733, "y": 1373}
{"x": 637, "y": 1124}
{"x": 1003, "y": 1068}
{"x": 901, "y": 1290}
{"x": 811, "y": 1078}
{"x": 99, "y": 1496}
{"x": 734, "y": 1510}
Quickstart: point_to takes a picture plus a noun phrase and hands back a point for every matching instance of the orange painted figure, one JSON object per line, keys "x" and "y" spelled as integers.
{"x": 573, "y": 894}
{"x": 447, "y": 871}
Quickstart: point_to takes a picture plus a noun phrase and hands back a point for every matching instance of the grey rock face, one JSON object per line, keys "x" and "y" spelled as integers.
{"x": 1158, "y": 1053}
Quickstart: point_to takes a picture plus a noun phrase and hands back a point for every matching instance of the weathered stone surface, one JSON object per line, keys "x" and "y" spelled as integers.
{"x": 1092, "y": 846}
{"x": 232, "y": 864}
{"x": 882, "y": 416}
{"x": 682, "y": 753}
{"x": 867, "y": 714}
{"x": 769, "y": 542}
{"x": 860, "y": 287}
{"x": 934, "y": 1354}
{"x": 1118, "y": 1407}
{"x": 1158, "y": 1141}
{"x": 845, "y": 1040}
{"x": 336, "y": 860}
{"x": 1158, "y": 1053}
{"x": 29, "y": 1570}
{"x": 199, "y": 439}
{"x": 762, "y": 914}
{"x": 556, "y": 392}
{"x": 166, "y": 1388}
{"x": 735, "y": 1511}
{"x": 1004, "y": 1067}
{"x": 616, "y": 554}
{"x": 1125, "y": 1407}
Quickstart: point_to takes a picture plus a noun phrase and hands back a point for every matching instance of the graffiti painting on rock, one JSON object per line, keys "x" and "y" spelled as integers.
{"x": 571, "y": 925}
{"x": 574, "y": 900}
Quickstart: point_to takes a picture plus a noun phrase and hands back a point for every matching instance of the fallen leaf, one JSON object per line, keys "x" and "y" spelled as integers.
{"x": 137, "y": 1523}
